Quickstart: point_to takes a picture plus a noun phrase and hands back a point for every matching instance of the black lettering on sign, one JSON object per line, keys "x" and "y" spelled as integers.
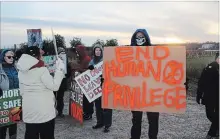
{"x": 77, "y": 97}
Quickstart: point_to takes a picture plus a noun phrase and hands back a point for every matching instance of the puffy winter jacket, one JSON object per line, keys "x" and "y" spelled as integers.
{"x": 36, "y": 87}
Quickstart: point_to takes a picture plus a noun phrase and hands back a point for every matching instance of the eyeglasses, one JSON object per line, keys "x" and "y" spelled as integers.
{"x": 9, "y": 57}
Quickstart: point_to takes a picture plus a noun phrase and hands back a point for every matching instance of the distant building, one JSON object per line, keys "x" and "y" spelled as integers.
{"x": 207, "y": 46}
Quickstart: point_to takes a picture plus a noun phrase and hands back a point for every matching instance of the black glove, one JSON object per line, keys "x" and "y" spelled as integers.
{"x": 102, "y": 80}
{"x": 91, "y": 67}
{"x": 1, "y": 93}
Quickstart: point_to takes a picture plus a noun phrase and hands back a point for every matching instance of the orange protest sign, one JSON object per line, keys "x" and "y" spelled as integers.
{"x": 77, "y": 112}
{"x": 145, "y": 78}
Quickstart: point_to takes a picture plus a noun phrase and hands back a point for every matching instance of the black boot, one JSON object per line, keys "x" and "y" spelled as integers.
{"x": 87, "y": 117}
{"x": 106, "y": 129}
{"x": 60, "y": 115}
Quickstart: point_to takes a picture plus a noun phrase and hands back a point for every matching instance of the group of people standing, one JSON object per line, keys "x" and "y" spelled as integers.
{"x": 37, "y": 89}
{"x": 104, "y": 116}
{"x": 36, "y": 86}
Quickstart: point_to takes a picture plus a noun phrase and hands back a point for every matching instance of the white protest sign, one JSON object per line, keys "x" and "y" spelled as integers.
{"x": 63, "y": 57}
{"x": 90, "y": 82}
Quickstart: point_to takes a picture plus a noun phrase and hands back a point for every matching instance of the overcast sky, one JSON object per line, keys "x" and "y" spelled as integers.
{"x": 166, "y": 22}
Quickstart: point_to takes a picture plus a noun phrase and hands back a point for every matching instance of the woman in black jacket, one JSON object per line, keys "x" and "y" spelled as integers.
{"x": 104, "y": 116}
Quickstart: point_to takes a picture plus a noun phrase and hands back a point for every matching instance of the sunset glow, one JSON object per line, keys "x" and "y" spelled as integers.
{"x": 173, "y": 40}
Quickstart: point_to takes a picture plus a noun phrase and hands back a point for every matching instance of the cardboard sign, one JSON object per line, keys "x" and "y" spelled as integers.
{"x": 76, "y": 101}
{"x": 10, "y": 107}
{"x": 90, "y": 81}
{"x": 145, "y": 78}
{"x": 34, "y": 37}
{"x": 64, "y": 58}
{"x": 50, "y": 62}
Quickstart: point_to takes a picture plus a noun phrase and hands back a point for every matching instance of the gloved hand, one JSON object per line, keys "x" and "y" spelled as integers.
{"x": 198, "y": 99}
{"x": 1, "y": 92}
{"x": 60, "y": 65}
{"x": 91, "y": 67}
{"x": 102, "y": 80}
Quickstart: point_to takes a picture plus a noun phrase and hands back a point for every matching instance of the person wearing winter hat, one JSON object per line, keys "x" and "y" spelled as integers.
{"x": 84, "y": 60}
{"x": 63, "y": 87}
{"x": 103, "y": 116}
{"x": 8, "y": 80}
{"x": 36, "y": 87}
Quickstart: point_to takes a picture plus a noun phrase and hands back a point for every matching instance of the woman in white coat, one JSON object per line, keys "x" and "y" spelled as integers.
{"x": 36, "y": 87}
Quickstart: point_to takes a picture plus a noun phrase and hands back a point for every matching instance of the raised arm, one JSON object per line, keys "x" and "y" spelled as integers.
{"x": 52, "y": 83}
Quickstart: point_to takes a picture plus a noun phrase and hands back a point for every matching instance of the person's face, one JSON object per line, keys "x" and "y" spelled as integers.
{"x": 140, "y": 39}
{"x": 9, "y": 57}
{"x": 98, "y": 52}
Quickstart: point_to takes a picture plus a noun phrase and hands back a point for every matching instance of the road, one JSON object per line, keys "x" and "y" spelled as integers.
{"x": 191, "y": 125}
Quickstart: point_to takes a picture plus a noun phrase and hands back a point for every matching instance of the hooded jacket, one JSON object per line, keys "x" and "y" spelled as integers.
{"x": 8, "y": 74}
{"x": 208, "y": 84}
{"x": 83, "y": 57}
{"x": 133, "y": 39}
{"x": 36, "y": 87}
{"x": 96, "y": 59}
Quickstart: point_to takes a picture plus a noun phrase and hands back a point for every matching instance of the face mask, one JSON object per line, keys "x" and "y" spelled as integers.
{"x": 140, "y": 40}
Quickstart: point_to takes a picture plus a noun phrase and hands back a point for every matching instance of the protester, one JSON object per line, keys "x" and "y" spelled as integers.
{"x": 103, "y": 116}
{"x": 8, "y": 80}
{"x": 141, "y": 38}
{"x": 208, "y": 95}
{"x": 63, "y": 87}
{"x": 84, "y": 60}
{"x": 36, "y": 87}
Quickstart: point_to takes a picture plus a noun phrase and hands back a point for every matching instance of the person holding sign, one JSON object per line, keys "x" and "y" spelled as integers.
{"x": 8, "y": 80}
{"x": 103, "y": 116}
{"x": 63, "y": 86}
{"x": 208, "y": 95}
{"x": 84, "y": 62}
{"x": 36, "y": 87}
{"x": 141, "y": 38}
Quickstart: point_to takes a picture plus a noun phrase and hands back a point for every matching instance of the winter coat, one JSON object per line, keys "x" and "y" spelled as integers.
{"x": 8, "y": 74}
{"x": 36, "y": 87}
{"x": 4, "y": 81}
{"x": 208, "y": 84}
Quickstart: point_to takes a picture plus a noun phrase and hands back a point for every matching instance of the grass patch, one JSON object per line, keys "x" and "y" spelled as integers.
{"x": 194, "y": 66}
